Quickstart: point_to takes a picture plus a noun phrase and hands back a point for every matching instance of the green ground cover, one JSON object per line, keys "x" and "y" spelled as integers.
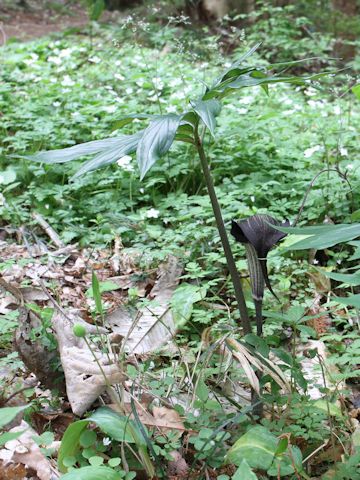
{"x": 68, "y": 89}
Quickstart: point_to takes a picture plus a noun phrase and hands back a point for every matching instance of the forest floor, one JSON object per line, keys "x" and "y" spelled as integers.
{"x": 39, "y": 18}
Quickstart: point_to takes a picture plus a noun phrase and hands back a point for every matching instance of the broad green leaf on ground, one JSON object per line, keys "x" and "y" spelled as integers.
{"x": 64, "y": 155}
{"x": 156, "y": 141}
{"x": 125, "y": 146}
{"x": 258, "y": 447}
{"x": 348, "y": 278}
{"x": 356, "y": 91}
{"x": 324, "y": 405}
{"x": 207, "y": 111}
{"x": 70, "y": 442}
{"x": 322, "y": 236}
{"x": 115, "y": 425}
{"x": 7, "y": 414}
{"x": 353, "y": 300}
{"x": 244, "y": 472}
{"x": 183, "y": 300}
{"x": 93, "y": 473}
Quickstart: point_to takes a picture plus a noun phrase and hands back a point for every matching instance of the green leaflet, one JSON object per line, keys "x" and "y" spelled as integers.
{"x": 234, "y": 68}
{"x": 93, "y": 473}
{"x": 156, "y": 141}
{"x": 7, "y": 414}
{"x": 127, "y": 145}
{"x": 353, "y": 300}
{"x": 356, "y": 91}
{"x": 207, "y": 111}
{"x": 64, "y": 155}
{"x": 183, "y": 300}
{"x": 7, "y": 436}
{"x": 244, "y": 472}
{"x": 258, "y": 447}
{"x": 323, "y": 236}
{"x": 97, "y": 10}
{"x": 256, "y": 77}
{"x": 70, "y": 442}
{"x": 348, "y": 278}
{"x": 115, "y": 425}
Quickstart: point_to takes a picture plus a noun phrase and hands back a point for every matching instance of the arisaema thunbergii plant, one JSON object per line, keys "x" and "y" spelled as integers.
{"x": 153, "y": 142}
{"x": 258, "y": 237}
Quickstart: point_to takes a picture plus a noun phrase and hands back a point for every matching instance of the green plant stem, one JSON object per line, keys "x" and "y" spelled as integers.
{"x": 239, "y": 295}
{"x": 142, "y": 452}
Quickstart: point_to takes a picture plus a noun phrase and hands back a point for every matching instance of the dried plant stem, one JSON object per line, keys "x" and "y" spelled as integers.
{"x": 310, "y": 186}
{"x": 239, "y": 294}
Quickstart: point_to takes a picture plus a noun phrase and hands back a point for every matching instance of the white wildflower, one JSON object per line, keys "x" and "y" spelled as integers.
{"x": 118, "y": 76}
{"x": 67, "y": 82}
{"x": 350, "y": 166}
{"x": 124, "y": 162}
{"x": 315, "y": 104}
{"x": 56, "y": 104}
{"x": 343, "y": 152}
{"x": 56, "y": 60}
{"x": 246, "y": 100}
{"x": 95, "y": 59}
{"x": 310, "y": 92}
{"x": 106, "y": 441}
{"x": 171, "y": 108}
{"x": 129, "y": 91}
{"x": 178, "y": 95}
{"x": 110, "y": 108}
{"x": 309, "y": 151}
{"x": 34, "y": 58}
{"x": 288, "y": 112}
{"x": 66, "y": 52}
{"x": 175, "y": 82}
{"x": 337, "y": 109}
{"x": 152, "y": 213}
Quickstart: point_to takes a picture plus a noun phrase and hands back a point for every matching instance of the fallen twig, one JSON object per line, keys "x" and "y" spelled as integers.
{"x": 49, "y": 230}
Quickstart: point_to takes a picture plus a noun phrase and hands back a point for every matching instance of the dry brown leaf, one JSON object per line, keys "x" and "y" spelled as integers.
{"x": 23, "y": 450}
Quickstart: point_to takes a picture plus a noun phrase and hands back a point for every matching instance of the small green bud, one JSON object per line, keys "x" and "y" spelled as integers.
{"x": 79, "y": 330}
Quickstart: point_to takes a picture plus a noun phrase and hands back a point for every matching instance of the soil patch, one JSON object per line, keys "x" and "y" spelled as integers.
{"x": 37, "y": 19}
